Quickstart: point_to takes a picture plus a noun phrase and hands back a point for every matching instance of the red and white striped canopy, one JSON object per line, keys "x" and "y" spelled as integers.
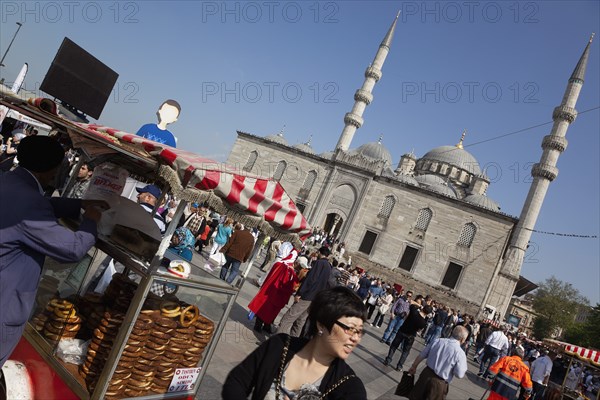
{"x": 263, "y": 197}
{"x": 248, "y": 195}
{"x": 582, "y": 353}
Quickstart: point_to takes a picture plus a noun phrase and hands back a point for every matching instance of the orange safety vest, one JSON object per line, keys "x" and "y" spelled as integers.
{"x": 509, "y": 374}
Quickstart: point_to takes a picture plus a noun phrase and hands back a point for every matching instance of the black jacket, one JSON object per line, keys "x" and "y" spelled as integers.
{"x": 319, "y": 277}
{"x": 258, "y": 371}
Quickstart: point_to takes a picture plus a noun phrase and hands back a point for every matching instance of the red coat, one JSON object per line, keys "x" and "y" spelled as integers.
{"x": 274, "y": 293}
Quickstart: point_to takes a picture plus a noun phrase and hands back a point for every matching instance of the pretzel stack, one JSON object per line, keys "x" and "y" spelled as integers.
{"x": 103, "y": 338}
{"x": 58, "y": 321}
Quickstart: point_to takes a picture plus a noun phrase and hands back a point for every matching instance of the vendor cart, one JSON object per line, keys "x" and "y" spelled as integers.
{"x": 129, "y": 342}
{"x": 587, "y": 357}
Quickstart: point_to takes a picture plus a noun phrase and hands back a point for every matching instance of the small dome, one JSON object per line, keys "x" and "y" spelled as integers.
{"x": 409, "y": 180}
{"x": 483, "y": 201}
{"x": 455, "y": 156}
{"x": 277, "y": 138}
{"x": 375, "y": 151}
{"x": 430, "y": 179}
{"x": 435, "y": 184}
{"x": 443, "y": 189}
{"x": 305, "y": 147}
{"x": 327, "y": 155}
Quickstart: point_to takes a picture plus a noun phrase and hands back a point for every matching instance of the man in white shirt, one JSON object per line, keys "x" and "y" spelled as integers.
{"x": 495, "y": 344}
{"x": 540, "y": 373}
{"x": 445, "y": 360}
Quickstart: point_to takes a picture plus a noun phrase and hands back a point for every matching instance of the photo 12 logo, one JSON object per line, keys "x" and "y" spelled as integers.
{"x": 469, "y": 92}
{"x": 70, "y": 11}
{"x": 252, "y": 12}
{"x": 452, "y": 12}
{"x": 269, "y": 92}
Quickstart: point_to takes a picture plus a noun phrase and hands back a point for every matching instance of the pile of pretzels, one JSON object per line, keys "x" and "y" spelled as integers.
{"x": 59, "y": 320}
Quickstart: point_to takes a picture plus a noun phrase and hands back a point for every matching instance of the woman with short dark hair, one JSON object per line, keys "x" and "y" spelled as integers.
{"x": 315, "y": 367}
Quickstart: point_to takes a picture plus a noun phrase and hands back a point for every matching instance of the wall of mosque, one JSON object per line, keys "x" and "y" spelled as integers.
{"x": 436, "y": 248}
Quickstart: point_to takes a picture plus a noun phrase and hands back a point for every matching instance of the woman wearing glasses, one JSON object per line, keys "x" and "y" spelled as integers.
{"x": 290, "y": 368}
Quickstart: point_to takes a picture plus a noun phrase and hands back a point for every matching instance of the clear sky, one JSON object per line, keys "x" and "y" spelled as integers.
{"x": 492, "y": 68}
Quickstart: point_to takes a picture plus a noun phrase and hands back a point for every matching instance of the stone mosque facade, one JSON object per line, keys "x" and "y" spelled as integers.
{"x": 425, "y": 223}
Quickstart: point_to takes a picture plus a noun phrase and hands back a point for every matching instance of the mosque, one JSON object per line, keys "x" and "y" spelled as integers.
{"x": 426, "y": 222}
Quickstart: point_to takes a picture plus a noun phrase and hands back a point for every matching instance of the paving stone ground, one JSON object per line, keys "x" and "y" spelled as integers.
{"x": 239, "y": 340}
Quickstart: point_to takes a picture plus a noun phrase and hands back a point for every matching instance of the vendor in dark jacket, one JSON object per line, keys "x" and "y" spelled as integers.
{"x": 318, "y": 278}
{"x": 316, "y": 367}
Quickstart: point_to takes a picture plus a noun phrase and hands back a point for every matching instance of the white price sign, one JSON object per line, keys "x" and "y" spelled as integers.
{"x": 184, "y": 379}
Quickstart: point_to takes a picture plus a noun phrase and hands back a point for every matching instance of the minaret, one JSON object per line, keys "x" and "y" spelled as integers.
{"x": 545, "y": 171}
{"x": 363, "y": 96}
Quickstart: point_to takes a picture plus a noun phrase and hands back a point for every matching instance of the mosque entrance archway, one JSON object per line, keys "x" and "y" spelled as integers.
{"x": 333, "y": 224}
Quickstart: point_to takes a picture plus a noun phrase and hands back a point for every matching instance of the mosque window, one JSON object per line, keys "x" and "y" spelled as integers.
{"x": 278, "y": 174}
{"x": 408, "y": 258}
{"x": 366, "y": 246}
{"x": 423, "y": 219}
{"x": 452, "y": 275}
{"x": 311, "y": 177}
{"x": 251, "y": 161}
{"x": 386, "y": 207}
{"x": 467, "y": 235}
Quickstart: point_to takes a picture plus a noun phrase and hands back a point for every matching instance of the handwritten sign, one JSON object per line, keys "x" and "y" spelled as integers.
{"x": 184, "y": 379}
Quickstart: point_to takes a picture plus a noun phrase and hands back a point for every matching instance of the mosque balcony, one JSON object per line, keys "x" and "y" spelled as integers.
{"x": 545, "y": 171}
{"x": 564, "y": 113}
{"x": 353, "y": 119}
{"x": 372, "y": 72}
{"x": 364, "y": 96}
{"x": 554, "y": 142}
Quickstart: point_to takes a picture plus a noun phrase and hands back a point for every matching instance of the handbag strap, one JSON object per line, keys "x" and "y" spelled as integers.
{"x": 282, "y": 368}
{"x": 336, "y": 385}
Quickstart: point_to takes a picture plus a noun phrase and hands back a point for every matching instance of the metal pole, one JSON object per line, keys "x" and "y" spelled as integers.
{"x": 10, "y": 44}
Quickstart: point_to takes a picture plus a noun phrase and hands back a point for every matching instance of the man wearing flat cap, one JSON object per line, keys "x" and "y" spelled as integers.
{"x": 148, "y": 197}
{"x": 29, "y": 231}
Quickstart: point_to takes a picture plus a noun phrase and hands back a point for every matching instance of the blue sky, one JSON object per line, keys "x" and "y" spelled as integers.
{"x": 489, "y": 67}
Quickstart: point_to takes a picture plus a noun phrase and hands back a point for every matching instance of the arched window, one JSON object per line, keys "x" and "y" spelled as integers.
{"x": 424, "y": 219}
{"x": 387, "y": 206}
{"x": 278, "y": 174}
{"x": 251, "y": 161}
{"x": 467, "y": 235}
{"x": 311, "y": 177}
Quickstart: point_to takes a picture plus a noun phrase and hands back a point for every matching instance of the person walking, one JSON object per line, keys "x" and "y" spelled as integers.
{"x": 495, "y": 344}
{"x": 406, "y": 335}
{"x": 317, "y": 279}
{"x": 540, "y": 373}
{"x": 237, "y": 250}
{"x": 507, "y": 375}
{"x": 439, "y": 320}
{"x": 399, "y": 313}
{"x": 445, "y": 361}
{"x": 386, "y": 302}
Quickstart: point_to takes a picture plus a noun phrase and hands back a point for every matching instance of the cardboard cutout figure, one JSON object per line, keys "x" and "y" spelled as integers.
{"x": 167, "y": 113}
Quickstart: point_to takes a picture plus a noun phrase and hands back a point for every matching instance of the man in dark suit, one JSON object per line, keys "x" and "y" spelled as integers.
{"x": 29, "y": 231}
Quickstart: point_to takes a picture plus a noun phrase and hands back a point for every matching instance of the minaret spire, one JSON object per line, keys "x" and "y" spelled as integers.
{"x": 543, "y": 173}
{"x": 462, "y": 138}
{"x": 363, "y": 96}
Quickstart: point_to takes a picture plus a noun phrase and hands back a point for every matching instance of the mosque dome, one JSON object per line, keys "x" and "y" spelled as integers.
{"x": 483, "y": 201}
{"x": 327, "y": 155}
{"x": 375, "y": 151}
{"x": 277, "y": 138}
{"x": 454, "y": 155}
{"x": 435, "y": 184}
{"x": 305, "y": 147}
{"x": 409, "y": 180}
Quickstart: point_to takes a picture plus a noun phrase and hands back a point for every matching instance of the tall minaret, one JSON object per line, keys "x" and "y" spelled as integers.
{"x": 363, "y": 96}
{"x": 545, "y": 171}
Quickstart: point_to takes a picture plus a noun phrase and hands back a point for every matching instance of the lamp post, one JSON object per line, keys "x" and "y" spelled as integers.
{"x": 10, "y": 44}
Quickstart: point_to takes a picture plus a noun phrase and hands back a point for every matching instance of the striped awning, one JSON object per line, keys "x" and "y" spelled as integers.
{"x": 259, "y": 200}
{"x": 584, "y": 354}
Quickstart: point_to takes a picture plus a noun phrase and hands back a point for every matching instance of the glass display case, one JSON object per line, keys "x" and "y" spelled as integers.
{"x": 145, "y": 335}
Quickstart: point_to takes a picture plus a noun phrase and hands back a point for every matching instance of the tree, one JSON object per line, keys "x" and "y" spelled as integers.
{"x": 557, "y": 304}
{"x": 592, "y": 326}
